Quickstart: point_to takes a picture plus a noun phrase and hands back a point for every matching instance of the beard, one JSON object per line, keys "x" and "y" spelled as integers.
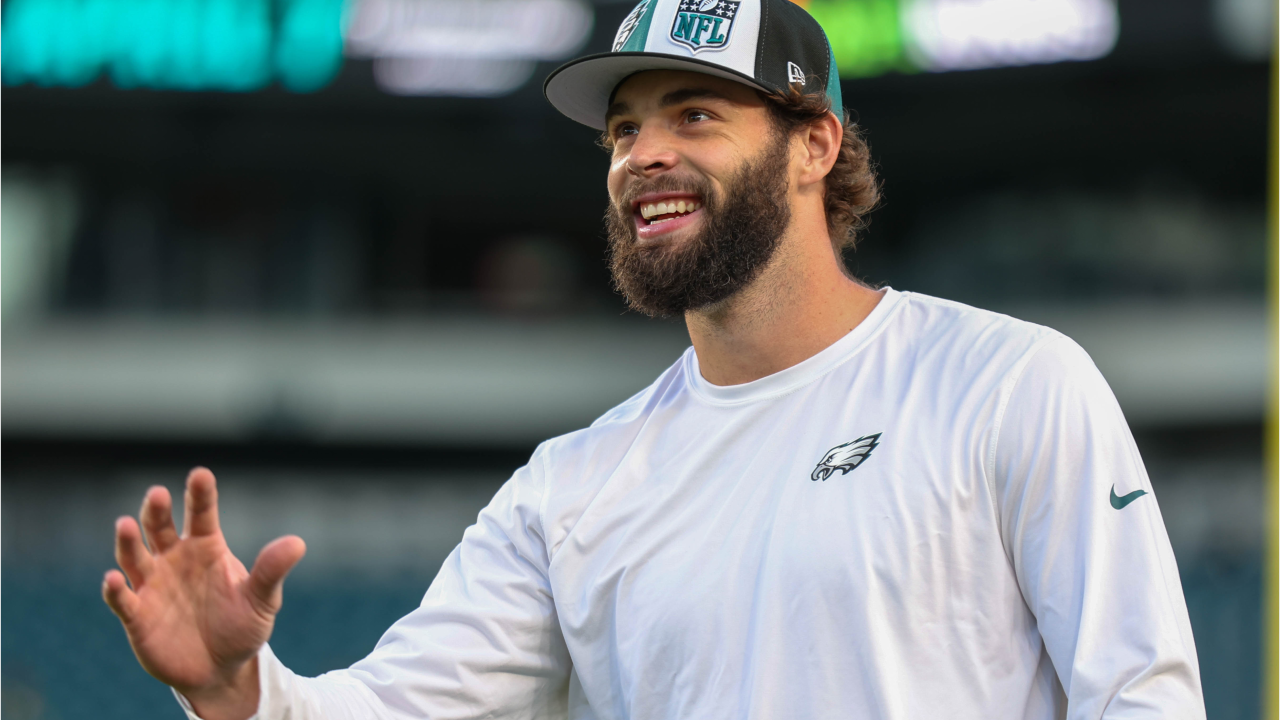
{"x": 739, "y": 235}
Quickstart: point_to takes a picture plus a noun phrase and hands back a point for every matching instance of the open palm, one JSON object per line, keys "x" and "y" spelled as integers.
{"x": 194, "y": 615}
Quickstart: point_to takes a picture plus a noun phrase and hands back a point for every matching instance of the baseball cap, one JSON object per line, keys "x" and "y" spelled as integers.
{"x": 766, "y": 44}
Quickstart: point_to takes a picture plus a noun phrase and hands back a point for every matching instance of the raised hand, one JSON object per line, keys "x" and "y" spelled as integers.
{"x": 194, "y": 616}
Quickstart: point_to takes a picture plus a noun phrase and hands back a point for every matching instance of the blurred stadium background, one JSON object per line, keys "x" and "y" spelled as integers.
{"x": 342, "y": 252}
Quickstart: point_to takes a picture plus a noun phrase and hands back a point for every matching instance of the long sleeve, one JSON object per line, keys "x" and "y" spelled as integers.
{"x": 484, "y": 643}
{"x": 1081, "y": 525}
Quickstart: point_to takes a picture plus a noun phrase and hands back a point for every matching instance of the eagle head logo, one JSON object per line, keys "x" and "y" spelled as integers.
{"x": 845, "y": 457}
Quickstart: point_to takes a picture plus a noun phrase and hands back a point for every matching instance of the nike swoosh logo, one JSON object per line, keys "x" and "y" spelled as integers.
{"x": 1119, "y": 501}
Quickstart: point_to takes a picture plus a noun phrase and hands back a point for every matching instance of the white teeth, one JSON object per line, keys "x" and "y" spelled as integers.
{"x": 653, "y": 209}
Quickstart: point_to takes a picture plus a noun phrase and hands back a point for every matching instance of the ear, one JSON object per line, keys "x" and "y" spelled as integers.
{"x": 821, "y": 141}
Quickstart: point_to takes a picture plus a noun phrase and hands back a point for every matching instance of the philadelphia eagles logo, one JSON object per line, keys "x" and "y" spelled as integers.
{"x": 628, "y": 26}
{"x": 704, "y": 24}
{"x": 845, "y": 457}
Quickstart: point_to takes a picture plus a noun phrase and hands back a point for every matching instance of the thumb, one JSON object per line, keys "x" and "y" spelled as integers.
{"x": 269, "y": 570}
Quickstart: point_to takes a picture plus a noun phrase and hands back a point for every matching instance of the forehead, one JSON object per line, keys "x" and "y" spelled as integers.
{"x": 645, "y": 90}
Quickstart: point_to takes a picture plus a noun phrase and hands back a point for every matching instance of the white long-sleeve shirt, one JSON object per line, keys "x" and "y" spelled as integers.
{"x": 943, "y": 514}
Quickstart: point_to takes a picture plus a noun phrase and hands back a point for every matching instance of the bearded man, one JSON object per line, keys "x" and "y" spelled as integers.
{"x": 841, "y": 502}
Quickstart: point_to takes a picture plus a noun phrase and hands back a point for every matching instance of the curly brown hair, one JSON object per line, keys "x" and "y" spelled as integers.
{"x": 852, "y": 189}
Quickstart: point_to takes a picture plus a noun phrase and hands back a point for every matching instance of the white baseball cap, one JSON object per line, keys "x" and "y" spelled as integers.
{"x": 769, "y": 45}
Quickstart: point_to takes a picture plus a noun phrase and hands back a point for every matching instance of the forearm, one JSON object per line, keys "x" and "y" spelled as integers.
{"x": 484, "y": 642}
{"x": 276, "y": 692}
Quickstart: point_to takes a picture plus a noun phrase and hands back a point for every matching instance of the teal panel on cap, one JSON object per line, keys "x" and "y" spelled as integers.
{"x": 833, "y": 86}
{"x": 640, "y": 35}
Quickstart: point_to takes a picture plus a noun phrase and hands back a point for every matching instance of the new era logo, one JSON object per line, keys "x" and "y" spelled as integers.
{"x": 794, "y": 73}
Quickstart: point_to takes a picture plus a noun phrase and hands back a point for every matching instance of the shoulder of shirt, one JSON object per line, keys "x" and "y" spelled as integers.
{"x": 936, "y": 320}
{"x": 573, "y": 468}
{"x": 612, "y": 432}
{"x": 1006, "y": 345}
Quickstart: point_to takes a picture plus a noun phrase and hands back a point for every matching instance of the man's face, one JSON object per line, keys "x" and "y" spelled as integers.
{"x": 699, "y": 185}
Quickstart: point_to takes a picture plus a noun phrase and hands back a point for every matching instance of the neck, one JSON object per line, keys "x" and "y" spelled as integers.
{"x": 799, "y": 306}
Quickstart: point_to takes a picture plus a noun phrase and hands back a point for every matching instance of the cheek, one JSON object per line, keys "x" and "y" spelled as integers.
{"x": 617, "y": 182}
{"x": 617, "y": 177}
{"x": 715, "y": 172}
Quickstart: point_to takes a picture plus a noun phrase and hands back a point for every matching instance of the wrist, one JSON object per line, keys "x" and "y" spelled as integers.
{"x": 233, "y": 698}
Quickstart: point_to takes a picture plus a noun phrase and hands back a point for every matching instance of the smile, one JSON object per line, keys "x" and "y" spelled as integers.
{"x": 660, "y": 214}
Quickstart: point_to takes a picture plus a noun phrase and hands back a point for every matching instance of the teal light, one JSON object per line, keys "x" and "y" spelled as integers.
{"x": 30, "y": 52}
{"x": 308, "y": 50}
{"x": 230, "y": 45}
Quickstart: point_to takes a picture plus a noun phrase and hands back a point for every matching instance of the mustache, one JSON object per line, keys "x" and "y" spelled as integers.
{"x": 663, "y": 183}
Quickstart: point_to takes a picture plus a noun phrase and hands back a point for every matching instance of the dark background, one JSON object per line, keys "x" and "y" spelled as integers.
{"x": 363, "y": 310}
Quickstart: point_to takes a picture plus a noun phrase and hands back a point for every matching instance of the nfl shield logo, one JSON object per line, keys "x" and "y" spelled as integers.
{"x": 704, "y": 24}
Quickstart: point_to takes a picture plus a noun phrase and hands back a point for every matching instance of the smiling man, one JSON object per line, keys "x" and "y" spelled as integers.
{"x": 841, "y": 502}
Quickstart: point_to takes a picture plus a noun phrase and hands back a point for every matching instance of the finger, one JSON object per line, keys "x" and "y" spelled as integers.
{"x": 157, "y": 519}
{"x": 200, "y": 517}
{"x": 122, "y": 601}
{"x": 131, "y": 554}
{"x": 267, "y": 576}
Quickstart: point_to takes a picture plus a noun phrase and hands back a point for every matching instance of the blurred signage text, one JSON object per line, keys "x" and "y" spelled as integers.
{"x": 464, "y": 47}
{"x": 434, "y": 47}
{"x": 229, "y": 45}
{"x": 870, "y": 37}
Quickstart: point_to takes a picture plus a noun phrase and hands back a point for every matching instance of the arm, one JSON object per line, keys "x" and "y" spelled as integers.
{"x": 484, "y": 643}
{"x": 1099, "y": 575}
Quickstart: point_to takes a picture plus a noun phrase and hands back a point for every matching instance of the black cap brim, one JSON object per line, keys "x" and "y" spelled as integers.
{"x": 582, "y": 88}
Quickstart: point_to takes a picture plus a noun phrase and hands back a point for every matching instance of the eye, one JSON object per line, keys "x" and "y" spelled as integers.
{"x": 625, "y": 130}
{"x": 694, "y": 116}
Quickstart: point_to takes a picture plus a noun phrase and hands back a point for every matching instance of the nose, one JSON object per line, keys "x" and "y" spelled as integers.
{"x": 651, "y": 153}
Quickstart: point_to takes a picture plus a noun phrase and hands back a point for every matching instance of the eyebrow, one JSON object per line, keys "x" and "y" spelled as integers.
{"x": 675, "y": 97}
